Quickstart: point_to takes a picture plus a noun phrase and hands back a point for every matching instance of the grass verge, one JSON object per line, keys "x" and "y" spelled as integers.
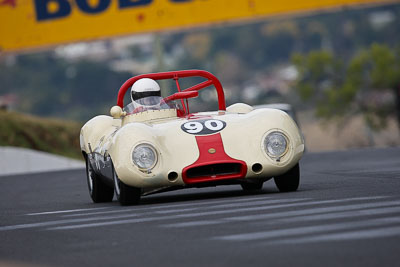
{"x": 54, "y": 136}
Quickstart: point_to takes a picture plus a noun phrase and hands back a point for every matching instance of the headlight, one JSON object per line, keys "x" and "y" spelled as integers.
{"x": 144, "y": 156}
{"x": 275, "y": 144}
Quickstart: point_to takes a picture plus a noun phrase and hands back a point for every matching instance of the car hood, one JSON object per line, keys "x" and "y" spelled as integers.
{"x": 177, "y": 140}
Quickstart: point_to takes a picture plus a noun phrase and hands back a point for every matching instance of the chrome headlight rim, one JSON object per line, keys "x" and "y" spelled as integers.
{"x": 153, "y": 150}
{"x": 264, "y": 146}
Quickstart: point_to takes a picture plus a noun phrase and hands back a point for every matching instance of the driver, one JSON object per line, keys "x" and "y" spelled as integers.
{"x": 145, "y": 95}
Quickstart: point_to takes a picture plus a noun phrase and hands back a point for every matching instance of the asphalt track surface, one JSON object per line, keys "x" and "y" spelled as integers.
{"x": 345, "y": 213}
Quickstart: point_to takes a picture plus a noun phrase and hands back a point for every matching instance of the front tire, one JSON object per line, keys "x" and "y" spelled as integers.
{"x": 126, "y": 195}
{"x": 98, "y": 190}
{"x": 289, "y": 181}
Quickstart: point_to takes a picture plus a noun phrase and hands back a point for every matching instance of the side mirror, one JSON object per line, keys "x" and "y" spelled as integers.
{"x": 116, "y": 112}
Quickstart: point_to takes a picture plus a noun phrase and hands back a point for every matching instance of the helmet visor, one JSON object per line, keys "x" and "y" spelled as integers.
{"x": 139, "y": 95}
{"x": 149, "y": 101}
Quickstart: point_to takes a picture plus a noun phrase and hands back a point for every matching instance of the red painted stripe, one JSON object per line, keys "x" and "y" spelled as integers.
{"x": 205, "y": 143}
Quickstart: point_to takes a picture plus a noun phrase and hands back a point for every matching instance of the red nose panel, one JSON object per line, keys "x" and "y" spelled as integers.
{"x": 213, "y": 163}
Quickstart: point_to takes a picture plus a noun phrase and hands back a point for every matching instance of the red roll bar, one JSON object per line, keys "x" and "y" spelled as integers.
{"x": 176, "y": 75}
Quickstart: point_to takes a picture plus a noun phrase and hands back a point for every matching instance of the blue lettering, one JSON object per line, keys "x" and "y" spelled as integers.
{"x": 133, "y": 3}
{"x": 43, "y": 12}
{"x": 85, "y": 7}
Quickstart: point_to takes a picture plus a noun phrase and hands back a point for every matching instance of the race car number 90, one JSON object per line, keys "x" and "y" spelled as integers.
{"x": 202, "y": 127}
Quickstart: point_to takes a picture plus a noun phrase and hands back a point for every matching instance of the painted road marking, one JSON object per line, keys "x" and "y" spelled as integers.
{"x": 279, "y": 233}
{"x": 297, "y": 215}
{"x": 247, "y": 209}
{"x": 314, "y": 211}
{"x": 134, "y": 213}
{"x": 348, "y": 235}
{"x": 264, "y": 211}
{"x": 64, "y": 221}
{"x": 342, "y": 215}
{"x": 63, "y": 211}
{"x": 165, "y": 206}
{"x": 172, "y": 217}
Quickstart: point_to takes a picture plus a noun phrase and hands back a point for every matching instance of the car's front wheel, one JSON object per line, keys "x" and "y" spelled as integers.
{"x": 98, "y": 190}
{"x": 126, "y": 195}
{"x": 288, "y": 181}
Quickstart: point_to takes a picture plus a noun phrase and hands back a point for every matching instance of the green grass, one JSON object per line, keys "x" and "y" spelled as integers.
{"x": 54, "y": 136}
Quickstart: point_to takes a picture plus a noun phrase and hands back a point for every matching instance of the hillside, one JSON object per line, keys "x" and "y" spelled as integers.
{"x": 251, "y": 60}
{"x": 49, "y": 135}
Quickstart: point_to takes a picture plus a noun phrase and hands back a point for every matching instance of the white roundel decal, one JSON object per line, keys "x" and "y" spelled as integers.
{"x": 202, "y": 127}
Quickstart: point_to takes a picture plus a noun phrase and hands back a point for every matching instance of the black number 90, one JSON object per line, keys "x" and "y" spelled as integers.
{"x": 202, "y": 127}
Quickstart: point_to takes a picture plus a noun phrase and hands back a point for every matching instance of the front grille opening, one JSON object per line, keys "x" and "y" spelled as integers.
{"x": 214, "y": 170}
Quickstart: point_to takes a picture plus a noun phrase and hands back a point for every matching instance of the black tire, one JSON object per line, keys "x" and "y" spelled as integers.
{"x": 98, "y": 190}
{"x": 289, "y": 181}
{"x": 252, "y": 186}
{"x": 126, "y": 195}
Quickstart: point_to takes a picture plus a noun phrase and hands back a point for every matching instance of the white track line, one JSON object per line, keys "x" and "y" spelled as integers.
{"x": 237, "y": 205}
{"x": 293, "y": 214}
{"x": 195, "y": 223}
{"x": 188, "y": 215}
{"x": 158, "y": 218}
{"x": 65, "y": 221}
{"x": 262, "y": 235}
{"x": 108, "y": 217}
{"x": 349, "y": 235}
{"x": 63, "y": 211}
{"x": 166, "y": 206}
{"x": 315, "y": 211}
{"x": 344, "y": 214}
{"x": 220, "y": 212}
{"x": 208, "y": 203}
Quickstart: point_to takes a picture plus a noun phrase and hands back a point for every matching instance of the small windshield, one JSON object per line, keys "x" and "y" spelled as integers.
{"x": 149, "y": 103}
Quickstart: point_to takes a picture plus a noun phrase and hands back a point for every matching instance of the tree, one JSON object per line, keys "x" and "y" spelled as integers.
{"x": 47, "y": 85}
{"x": 368, "y": 83}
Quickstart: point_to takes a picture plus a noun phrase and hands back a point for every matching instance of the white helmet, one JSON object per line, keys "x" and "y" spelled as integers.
{"x": 142, "y": 90}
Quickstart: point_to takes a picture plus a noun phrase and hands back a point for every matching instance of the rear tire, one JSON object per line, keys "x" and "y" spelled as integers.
{"x": 126, "y": 195}
{"x": 98, "y": 190}
{"x": 289, "y": 181}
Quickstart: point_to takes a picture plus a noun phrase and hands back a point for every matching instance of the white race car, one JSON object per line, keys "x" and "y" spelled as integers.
{"x": 139, "y": 152}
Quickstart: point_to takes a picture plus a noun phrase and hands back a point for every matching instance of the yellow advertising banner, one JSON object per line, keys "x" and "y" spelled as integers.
{"x": 27, "y": 24}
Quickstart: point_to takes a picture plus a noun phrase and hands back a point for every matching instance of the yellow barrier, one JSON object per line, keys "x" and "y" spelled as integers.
{"x": 26, "y": 24}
